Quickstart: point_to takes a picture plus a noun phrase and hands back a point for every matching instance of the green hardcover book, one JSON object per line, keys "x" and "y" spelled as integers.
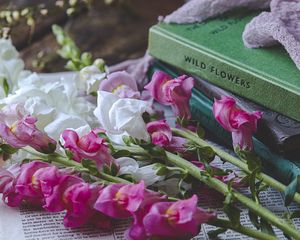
{"x": 214, "y": 50}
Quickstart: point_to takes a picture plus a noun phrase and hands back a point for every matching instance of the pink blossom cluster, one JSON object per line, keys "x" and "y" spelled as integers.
{"x": 154, "y": 216}
{"x": 89, "y": 146}
{"x": 19, "y": 130}
{"x": 161, "y": 135}
{"x": 174, "y": 92}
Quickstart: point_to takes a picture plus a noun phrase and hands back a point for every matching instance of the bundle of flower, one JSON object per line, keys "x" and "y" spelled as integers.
{"x": 98, "y": 148}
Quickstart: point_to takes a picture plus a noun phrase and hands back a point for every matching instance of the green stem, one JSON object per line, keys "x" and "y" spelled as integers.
{"x": 223, "y": 188}
{"x": 235, "y": 161}
{"x": 223, "y": 223}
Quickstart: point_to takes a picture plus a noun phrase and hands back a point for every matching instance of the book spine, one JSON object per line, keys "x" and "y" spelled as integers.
{"x": 282, "y": 169}
{"x": 222, "y": 72}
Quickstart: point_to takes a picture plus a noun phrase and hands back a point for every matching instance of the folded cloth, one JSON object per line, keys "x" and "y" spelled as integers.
{"x": 200, "y": 10}
{"x": 281, "y": 25}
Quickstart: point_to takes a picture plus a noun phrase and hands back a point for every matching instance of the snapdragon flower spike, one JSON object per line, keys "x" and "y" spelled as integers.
{"x": 90, "y": 146}
{"x": 24, "y": 133}
{"x": 179, "y": 220}
{"x": 122, "y": 84}
{"x": 120, "y": 200}
{"x": 79, "y": 200}
{"x": 240, "y": 123}
{"x": 172, "y": 92}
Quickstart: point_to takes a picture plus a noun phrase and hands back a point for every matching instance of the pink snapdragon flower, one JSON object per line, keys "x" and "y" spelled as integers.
{"x": 54, "y": 195}
{"x": 179, "y": 220}
{"x": 90, "y": 146}
{"x": 122, "y": 84}
{"x": 79, "y": 200}
{"x": 24, "y": 133}
{"x": 120, "y": 200}
{"x": 161, "y": 135}
{"x": 160, "y": 131}
{"x": 172, "y": 92}
{"x": 26, "y": 183}
{"x": 137, "y": 230}
{"x": 7, "y": 186}
{"x": 240, "y": 123}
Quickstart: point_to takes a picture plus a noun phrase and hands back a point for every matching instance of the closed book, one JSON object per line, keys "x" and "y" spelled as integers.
{"x": 283, "y": 169}
{"x": 280, "y": 133}
{"x": 214, "y": 50}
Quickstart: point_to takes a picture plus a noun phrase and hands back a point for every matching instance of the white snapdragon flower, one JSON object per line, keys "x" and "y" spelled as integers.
{"x": 89, "y": 79}
{"x": 147, "y": 173}
{"x": 122, "y": 116}
{"x": 11, "y": 67}
{"x": 55, "y": 103}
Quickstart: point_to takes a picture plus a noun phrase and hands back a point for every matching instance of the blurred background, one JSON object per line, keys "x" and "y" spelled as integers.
{"x": 114, "y": 30}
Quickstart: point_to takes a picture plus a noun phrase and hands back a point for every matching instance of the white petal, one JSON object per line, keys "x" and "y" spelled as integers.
{"x": 104, "y": 104}
{"x": 148, "y": 174}
{"x": 62, "y": 122}
{"x": 127, "y": 165}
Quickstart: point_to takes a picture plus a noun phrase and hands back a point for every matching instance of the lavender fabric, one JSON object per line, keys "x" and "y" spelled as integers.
{"x": 281, "y": 25}
{"x": 200, "y": 10}
{"x": 137, "y": 68}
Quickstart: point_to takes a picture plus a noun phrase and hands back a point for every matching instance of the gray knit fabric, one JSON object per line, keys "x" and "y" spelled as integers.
{"x": 199, "y": 10}
{"x": 281, "y": 25}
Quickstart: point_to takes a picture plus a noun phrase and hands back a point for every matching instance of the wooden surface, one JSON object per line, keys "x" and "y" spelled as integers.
{"x": 114, "y": 33}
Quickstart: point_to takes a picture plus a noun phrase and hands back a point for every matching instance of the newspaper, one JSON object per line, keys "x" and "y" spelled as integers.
{"x": 30, "y": 224}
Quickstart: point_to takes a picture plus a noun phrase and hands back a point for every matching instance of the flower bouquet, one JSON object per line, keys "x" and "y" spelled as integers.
{"x": 99, "y": 148}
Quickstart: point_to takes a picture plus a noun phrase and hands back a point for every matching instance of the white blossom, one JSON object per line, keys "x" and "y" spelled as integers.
{"x": 122, "y": 116}
{"x": 89, "y": 79}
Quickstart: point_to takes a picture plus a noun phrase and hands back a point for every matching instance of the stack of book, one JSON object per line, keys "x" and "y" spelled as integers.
{"x": 259, "y": 79}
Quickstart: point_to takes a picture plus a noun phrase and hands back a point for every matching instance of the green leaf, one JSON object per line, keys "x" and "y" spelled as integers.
{"x": 69, "y": 154}
{"x": 90, "y": 165}
{"x": 232, "y": 211}
{"x": 161, "y": 170}
{"x": 200, "y": 132}
{"x": 114, "y": 169}
{"x": 206, "y": 154}
{"x": 290, "y": 190}
{"x": 86, "y": 58}
{"x": 8, "y": 149}
{"x": 157, "y": 151}
{"x": 5, "y": 86}
{"x": 266, "y": 227}
{"x": 122, "y": 153}
{"x": 295, "y": 214}
{"x": 254, "y": 219}
{"x": 253, "y": 161}
{"x": 213, "y": 234}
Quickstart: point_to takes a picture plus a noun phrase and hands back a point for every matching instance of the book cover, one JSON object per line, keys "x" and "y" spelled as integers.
{"x": 214, "y": 50}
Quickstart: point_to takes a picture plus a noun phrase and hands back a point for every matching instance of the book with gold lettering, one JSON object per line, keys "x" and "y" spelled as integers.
{"x": 214, "y": 50}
